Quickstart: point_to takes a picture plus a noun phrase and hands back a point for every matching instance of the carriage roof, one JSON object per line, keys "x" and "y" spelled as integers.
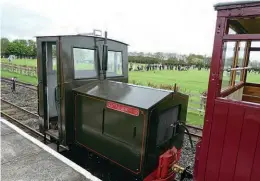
{"x": 234, "y": 4}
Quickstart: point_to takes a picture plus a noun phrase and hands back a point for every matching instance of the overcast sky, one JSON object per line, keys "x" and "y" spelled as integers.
{"x": 184, "y": 26}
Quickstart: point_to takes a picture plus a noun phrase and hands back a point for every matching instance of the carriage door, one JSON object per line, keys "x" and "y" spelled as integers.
{"x": 49, "y": 80}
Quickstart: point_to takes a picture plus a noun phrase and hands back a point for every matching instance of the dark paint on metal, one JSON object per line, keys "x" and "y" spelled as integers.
{"x": 94, "y": 99}
{"x": 65, "y": 78}
{"x": 104, "y": 144}
{"x": 123, "y": 93}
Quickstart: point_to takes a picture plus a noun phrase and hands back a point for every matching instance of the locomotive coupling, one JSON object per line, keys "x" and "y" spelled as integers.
{"x": 178, "y": 169}
{"x": 184, "y": 172}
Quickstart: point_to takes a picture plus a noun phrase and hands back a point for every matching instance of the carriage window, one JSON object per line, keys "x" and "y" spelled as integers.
{"x": 84, "y": 66}
{"x": 241, "y": 54}
{"x": 255, "y": 44}
{"x": 231, "y": 31}
{"x": 114, "y": 64}
{"x": 239, "y": 63}
{"x": 228, "y": 57}
{"x": 244, "y": 25}
{"x": 54, "y": 57}
{"x": 253, "y": 74}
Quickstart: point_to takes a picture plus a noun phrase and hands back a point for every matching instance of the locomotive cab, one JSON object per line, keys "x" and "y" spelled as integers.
{"x": 65, "y": 62}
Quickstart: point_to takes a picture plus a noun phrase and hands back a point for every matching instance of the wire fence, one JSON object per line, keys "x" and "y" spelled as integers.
{"x": 19, "y": 69}
{"x": 197, "y": 101}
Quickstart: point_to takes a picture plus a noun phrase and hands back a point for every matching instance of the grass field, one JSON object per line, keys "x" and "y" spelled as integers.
{"x": 28, "y": 62}
{"x": 19, "y": 77}
{"x": 192, "y": 81}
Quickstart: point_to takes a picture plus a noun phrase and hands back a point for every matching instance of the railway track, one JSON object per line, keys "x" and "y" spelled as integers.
{"x": 22, "y": 118}
{"x": 194, "y": 131}
{"x": 19, "y": 83}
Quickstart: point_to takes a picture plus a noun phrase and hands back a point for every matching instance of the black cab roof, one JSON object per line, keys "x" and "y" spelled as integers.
{"x": 83, "y": 35}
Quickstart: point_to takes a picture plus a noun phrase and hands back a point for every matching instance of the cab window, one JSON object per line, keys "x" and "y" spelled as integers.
{"x": 114, "y": 64}
{"x": 84, "y": 64}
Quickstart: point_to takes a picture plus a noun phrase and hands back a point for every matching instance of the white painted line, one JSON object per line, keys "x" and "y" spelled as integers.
{"x": 51, "y": 151}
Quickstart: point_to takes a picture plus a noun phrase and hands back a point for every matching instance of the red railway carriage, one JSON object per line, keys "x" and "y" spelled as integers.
{"x": 230, "y": 147}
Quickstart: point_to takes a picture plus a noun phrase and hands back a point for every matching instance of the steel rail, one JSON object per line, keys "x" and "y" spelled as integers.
{"x": 194, "y": 134}
{"x": 19, "y": 122}
{"x": 19, "y": 83}
{"x": 7, "y": 102}
{"x": 194, "y": 127}
{"x": 13, "y": 120}
{"x": 10, "y": 118}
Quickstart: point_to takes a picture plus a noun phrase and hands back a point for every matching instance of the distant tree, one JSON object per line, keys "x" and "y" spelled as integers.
{"x": 143, "y": 60}
{"x": 4, "y": 45}
{"x": 159, "y": 55}
{"x": 22, "y": 48}
{"x": 181, "y": 62}
{"x": 11, "y": 49}
{"x": 141, "y": 54}
{"x": 172, "y": 61}
{"x": 31, "y": 48}
{"x": 191, "y": 59}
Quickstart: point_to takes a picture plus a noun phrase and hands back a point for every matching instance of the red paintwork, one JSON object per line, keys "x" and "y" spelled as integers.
{"x": 217, "y": 137}
{"x": 249, "y": 11}
{"x": 234, "y": 147}
{"x": 232, "y": 139}
{"x": 214, "y": 85}
{"x": 242, "y": 37}
{"x": 166, "y": 161}
{"x": 230, "y": 146}
{"x": 123, "y": 108}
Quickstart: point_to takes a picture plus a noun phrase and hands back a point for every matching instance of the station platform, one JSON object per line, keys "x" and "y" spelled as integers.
{"x": 25, "y": 158}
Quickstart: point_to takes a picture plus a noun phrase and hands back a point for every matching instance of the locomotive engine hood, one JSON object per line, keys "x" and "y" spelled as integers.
{"x": 127, "y": 124}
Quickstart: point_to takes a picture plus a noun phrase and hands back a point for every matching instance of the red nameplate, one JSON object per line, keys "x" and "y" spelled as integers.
{"x": 123, "y": 108}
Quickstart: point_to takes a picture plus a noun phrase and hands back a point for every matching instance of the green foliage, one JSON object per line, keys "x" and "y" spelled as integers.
{"x": 19, "y": 47}
{"x": 199, "y": 61}
{"x": 143, "y": 60}
{"x": 4, "y": 44}
{"x": 172, "y": 61}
